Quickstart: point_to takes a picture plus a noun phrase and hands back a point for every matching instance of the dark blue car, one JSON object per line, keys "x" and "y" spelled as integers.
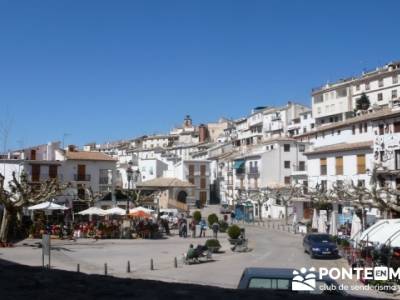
{"x": 320, "y": 245}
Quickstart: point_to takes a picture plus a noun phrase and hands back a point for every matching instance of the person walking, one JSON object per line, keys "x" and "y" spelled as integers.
{"x": 215, "y": 229}
{"x": 193, "y": 228}
{"x": 203, "y": 227}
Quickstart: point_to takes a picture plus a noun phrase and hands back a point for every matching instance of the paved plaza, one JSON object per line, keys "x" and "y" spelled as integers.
{"x": 270, "y": 248}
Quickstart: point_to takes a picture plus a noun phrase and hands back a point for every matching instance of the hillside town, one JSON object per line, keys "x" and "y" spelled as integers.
{"x": 331, "y": 167}
{"x": 323, "y": 154}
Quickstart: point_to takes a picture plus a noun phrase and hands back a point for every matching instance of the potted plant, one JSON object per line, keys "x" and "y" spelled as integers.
{"x": 197, "y": 216}
{"x": 213, "y": 245}
{"x": 212, "y": 219}
{"x": 223, "y": 226}
{"x": 234, "y": 233}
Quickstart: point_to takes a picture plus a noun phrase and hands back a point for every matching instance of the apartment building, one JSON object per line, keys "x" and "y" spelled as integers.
{"x": 336, "y": 102}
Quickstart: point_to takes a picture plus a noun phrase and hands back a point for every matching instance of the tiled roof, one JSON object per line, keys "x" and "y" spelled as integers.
{"x": 88, "y": 155}
{"x": 164, "y": 182}
{"x": 383, "y": 113}
{"x": 341, "y": 147}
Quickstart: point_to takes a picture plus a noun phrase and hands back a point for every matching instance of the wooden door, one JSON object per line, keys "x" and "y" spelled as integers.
{"x": 35, "y": 173}
{"x": 81, "y": 172}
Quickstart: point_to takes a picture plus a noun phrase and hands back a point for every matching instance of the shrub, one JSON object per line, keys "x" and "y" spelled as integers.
{"x": 223, "y": 226}
{"x": 213, "y": 243}
{"x": 197, "y": 216}
{"x": 212, "y": 219}
{"x": 234, "y": 231}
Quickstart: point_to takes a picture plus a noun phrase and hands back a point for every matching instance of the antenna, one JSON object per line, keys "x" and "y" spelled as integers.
{"x": 63, "y": 139}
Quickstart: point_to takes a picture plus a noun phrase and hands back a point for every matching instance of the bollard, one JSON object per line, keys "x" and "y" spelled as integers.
{"x": 78, "y": 268}
{"x": 175, "y": 262}
{"x": 128, "y": 267}
{"x": 105, "y": 269}
{"x": 151, "y": 265}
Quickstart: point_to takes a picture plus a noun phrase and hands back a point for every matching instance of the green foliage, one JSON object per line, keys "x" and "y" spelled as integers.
{"x": 212, "y": 219}
{"x": 197, "y": 216}
{"x": 234, "y": 231}
{"x": 223, "y": 226}
{"x": 363, "y": 102}
{"x": 213, "y": 243}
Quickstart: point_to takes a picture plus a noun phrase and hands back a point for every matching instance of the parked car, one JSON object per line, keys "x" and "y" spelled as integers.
{"x": 225, "y": 209}
{"x": 281, "y": 279}
{"x": 320, "y": 245}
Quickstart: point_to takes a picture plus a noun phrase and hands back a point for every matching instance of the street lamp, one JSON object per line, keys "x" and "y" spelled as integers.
{"x": 129, "y": 174}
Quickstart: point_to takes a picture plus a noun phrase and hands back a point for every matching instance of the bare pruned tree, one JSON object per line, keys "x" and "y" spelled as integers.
{"x": 22, "y": 193}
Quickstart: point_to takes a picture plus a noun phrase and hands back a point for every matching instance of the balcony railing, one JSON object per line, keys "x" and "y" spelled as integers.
{"x": 240, "y": 171}
{"x": 81, "y": 177}
{"x": 105, "y": 180}
{"x": 253, "y": 171}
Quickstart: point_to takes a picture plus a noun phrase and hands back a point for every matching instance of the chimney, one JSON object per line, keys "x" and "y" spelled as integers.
{"x": 71, "y": 148}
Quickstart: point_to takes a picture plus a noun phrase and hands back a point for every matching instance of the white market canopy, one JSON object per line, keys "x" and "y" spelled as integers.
{"x": 48, "y": 205}
{"x": 383, "y": 232}
{"x": 141, "y": 208}
{"x": 115, "y": 211}
{"x": 93, "y": 211}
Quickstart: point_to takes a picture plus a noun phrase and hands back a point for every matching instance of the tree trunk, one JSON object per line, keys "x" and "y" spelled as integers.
{"x": 5, "y": 222}
{"x": 286, "y": 214}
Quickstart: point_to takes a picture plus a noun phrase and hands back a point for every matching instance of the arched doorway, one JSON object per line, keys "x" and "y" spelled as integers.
{"x": 182, "y": 196}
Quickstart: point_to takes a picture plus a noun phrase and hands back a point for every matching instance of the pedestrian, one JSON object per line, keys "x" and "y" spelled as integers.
{"x": 215, "y": 229}
{"x": 203, "y": 227}
{"x": 184, "y": 228}
{"x": 193, "y": 228}
{"x": 232, "y": 217}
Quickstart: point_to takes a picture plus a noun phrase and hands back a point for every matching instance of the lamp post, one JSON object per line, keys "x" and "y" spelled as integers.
{"x": 129, "y": 174}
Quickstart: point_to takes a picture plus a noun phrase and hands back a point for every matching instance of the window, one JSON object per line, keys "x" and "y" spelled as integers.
{"x": 287, "y": 164}
{"x": 323, "y": 167}
{"x": 287, "y": 180}
{"x": 191, "y": 170}
{"x": 361, "y": 163}
{"x": 52, "y": 171}
{"x": 357, "y": 87}
{"x": 380, "y": 82}
{"x": 381, "y": 129}
{"x": 302, "y": 165}
{"x": 286, "y": 147}
{"x": 35, "y": 173}
{"x": 397, "y": 159}
{"x": 396, "y": 126}
{"x": 353, "y": 129}
{"x": 380, "y": 96}
{"x": 394, "y": 94}
{"x": 324, "y": 185}
{"x": 367, "y": 86}
{"x": 203, "y": 183}
{"x": 395, "y": 79}
{"x": 365, "y": 127}
{"x": 302, "y": 148}
{"x": 269, "y": 283}
{"x": 339, "y": 165}
{"x": 203, "y": 170}
{"x": 360, "y": 127}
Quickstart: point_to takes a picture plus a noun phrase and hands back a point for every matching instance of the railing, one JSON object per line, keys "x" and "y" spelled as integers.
{"x": 253, "y": 171}
{"x": 105, "y": 180}
{"x": 43, "y": 177}
{"x": 241, "y": 171}
{"x": 81, "y": 177}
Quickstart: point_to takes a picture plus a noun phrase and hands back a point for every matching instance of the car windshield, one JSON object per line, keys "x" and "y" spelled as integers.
{"x": 321, "y": 238}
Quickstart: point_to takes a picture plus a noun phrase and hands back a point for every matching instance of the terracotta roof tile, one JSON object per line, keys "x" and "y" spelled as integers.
{"x": 341, "y": 147}
{"x": 88, "y": 155}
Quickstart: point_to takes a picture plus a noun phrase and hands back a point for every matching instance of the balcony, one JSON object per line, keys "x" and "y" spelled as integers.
{"x": 105, "y": 181}
{"x": 81, "y": 177}
{"x": 253, "y": 172}
{"x": 43, "y": 177}
{"x": 240, "y": 172}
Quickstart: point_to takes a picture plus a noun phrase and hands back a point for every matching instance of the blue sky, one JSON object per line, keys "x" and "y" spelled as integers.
{"x": 103, "y": 70}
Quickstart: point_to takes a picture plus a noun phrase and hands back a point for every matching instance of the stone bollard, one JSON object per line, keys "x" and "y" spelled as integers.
{"x": 78, "y": 268}
{"x": 105, "y": 269}
{"x": 128, "y": 267}
{"x": 151, "y": 265}
{"x": 175, "y": 262}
